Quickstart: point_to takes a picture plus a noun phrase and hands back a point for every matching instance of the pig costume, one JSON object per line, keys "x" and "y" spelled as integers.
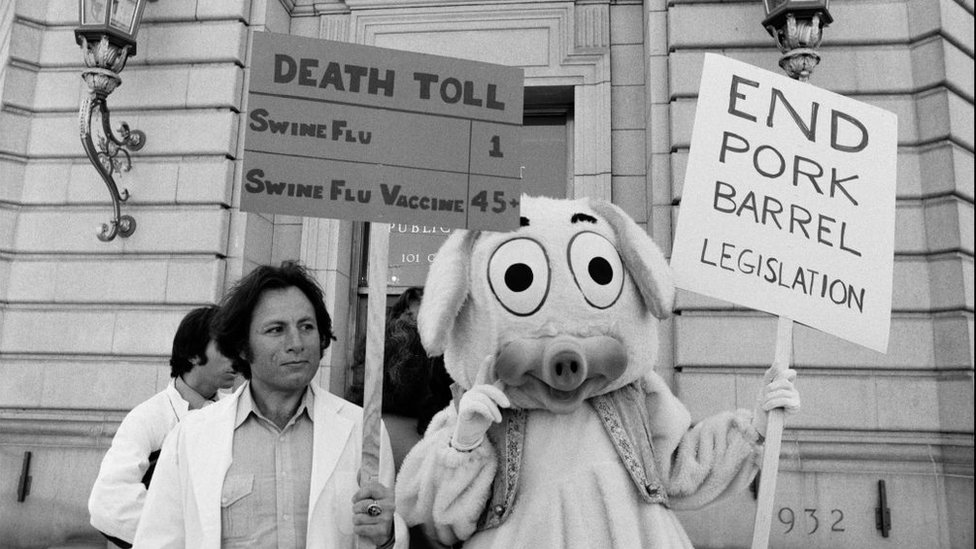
{"x": 551, "y": 331}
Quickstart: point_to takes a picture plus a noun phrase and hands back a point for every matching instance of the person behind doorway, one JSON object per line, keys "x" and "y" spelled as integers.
{"x": 198, "y": 371}
{"x": 276, "y": 463}
{"x": 415, "y": 386}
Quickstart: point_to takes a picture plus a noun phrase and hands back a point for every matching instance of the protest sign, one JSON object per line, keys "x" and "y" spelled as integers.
{"x": 357, "y": 132}
{"x": 788, "y": 204}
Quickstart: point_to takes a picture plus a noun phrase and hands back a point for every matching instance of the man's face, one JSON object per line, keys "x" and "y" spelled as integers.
{"x": 218, "y": 371}
{"x": 284, "y": 341}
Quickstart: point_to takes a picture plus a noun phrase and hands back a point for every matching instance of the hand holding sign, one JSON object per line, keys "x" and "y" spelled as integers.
{"x": 788, "y": 207}
{"x": 777, "y": 392}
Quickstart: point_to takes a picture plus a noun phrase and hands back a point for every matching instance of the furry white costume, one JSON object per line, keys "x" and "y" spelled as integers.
{"x": 556, "y": 323}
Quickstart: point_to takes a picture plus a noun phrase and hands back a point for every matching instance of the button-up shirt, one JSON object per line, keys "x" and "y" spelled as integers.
{"x": 264, "y": 499}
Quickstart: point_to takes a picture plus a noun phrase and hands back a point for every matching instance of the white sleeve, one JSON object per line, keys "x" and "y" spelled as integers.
{"x": 162, "y": 524}
{"x": 118, "y": 495}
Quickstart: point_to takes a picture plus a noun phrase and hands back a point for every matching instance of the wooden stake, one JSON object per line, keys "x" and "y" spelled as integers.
{"x": 379, "y": 244}
{"x": 774, "y": 438}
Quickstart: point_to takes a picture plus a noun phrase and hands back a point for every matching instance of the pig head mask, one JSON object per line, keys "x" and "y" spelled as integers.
{"x": 567, "y": 305}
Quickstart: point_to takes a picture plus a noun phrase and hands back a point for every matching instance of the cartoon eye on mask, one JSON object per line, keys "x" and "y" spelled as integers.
{"x": 518, "y": 273}
{"x": 597, "y": 269}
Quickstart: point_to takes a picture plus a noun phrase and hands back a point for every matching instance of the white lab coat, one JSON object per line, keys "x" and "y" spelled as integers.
{"x": 183, "y": 507}
{"x": 117, "y": 498}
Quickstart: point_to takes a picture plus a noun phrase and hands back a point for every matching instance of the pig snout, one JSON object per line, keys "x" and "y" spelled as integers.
{"x": 562, "y": 362}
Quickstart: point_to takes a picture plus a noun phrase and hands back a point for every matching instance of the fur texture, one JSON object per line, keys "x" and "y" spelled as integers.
{"x": 567, "y": 307}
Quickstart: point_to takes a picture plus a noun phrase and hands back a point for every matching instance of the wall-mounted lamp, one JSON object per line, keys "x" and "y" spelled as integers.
{"x": 797, "y": 26}
{"x": 107, "y": 36}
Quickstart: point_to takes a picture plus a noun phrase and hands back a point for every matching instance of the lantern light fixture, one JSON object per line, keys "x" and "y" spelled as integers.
{"x": 797, "y": 26}
{"x": 107, "y": 35}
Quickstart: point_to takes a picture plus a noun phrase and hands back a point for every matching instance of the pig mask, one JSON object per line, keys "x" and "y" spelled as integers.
{"x": 568, "y": 305}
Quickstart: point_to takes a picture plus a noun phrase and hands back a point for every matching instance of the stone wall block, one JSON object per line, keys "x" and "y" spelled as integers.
{"x": 630, "y": 193}
{"x": 145, "y": 332}
{"x": 286, "y": 242}
{"x": 626, "y": 65}
{"x": 953, "y": 335}
{"x": 205, "y": 180}
{"x": 656, "y": 38}
{"x": 908, "y": 403}
{"x": 628, "y": 152}
{"x": 12, "y": 175}
{"x": 661, "y": 178}
{"x": 26, "y": 41}
{"x": 626, "y": 24}
{"x": 23, "y": 384}
{"x": 258, "y": 239}
{"x": 147, "y": 87}
{"x": 194, "y": 280}
{"x": 79, "y": 331}
{"x": 18, "y": 87}
{"x": 31, "y": 281}
{"x": 628, "y": 107}
{"x": 16, "y": 130}
{"x": 956, "y": 403}
{"x": 110, "y": 281}
{"x": 167, "y": 133}
{"x": 732, "y": 339}
{"x": 952, "y": 282}
{"x": 223, "y": 9}
{"x": 55, "y": 230}
{"x": 209, "y": 42}
{"x": 949, "y": 225}
{"x": 944, "y": 115}
{"x": 62, "y": 280}
{"x": 216, "y": 87}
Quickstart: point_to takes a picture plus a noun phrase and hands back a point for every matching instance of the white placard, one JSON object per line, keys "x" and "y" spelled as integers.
{"x": 788, "y": 203}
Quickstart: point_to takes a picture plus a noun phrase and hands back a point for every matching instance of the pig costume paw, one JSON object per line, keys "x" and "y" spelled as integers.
{"x": 443, "y": 488}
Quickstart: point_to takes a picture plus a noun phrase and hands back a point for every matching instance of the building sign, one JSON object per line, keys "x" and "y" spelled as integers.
{"x": 357, "y": 132}
{"x": 789, "y": 202}
{"x": 412, "y": 249}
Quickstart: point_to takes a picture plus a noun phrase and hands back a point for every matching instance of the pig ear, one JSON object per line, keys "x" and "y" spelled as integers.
{"x": 445, "y": 291}
{"x": 643, "y": 259}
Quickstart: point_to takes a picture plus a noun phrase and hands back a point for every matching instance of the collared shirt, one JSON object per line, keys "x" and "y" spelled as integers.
{"x": 264, "y": 499}
{"x": 191, "y": 396}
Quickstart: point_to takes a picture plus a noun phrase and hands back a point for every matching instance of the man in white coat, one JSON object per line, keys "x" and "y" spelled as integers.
{"x": 276, "y": 463}
{"x": 198, "y": 371}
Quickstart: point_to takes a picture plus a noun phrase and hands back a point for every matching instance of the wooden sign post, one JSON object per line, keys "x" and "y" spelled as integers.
{"x": 774, "y": 439}
{"x": 788, "y": 207}
{"x": 356, "y": 132}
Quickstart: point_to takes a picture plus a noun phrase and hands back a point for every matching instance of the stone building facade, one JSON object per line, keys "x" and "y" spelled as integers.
{"x": 85, "y": 326}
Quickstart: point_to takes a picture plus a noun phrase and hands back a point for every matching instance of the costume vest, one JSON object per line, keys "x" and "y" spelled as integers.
{"x": 625, "y": 418}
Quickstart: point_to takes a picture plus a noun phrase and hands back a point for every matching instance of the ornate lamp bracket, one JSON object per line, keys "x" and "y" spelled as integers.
{"x": 108, "y": 154}
{"x": 798, "y": 40}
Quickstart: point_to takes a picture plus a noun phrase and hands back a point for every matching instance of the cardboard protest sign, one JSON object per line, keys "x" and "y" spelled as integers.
{"x": 789, "y": 202}
{"x": 357, "y": 132}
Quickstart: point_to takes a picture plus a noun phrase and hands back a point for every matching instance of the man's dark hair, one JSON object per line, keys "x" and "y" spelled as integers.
{"x": 232, "y": 324}
{"x": 191, "y": 340}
